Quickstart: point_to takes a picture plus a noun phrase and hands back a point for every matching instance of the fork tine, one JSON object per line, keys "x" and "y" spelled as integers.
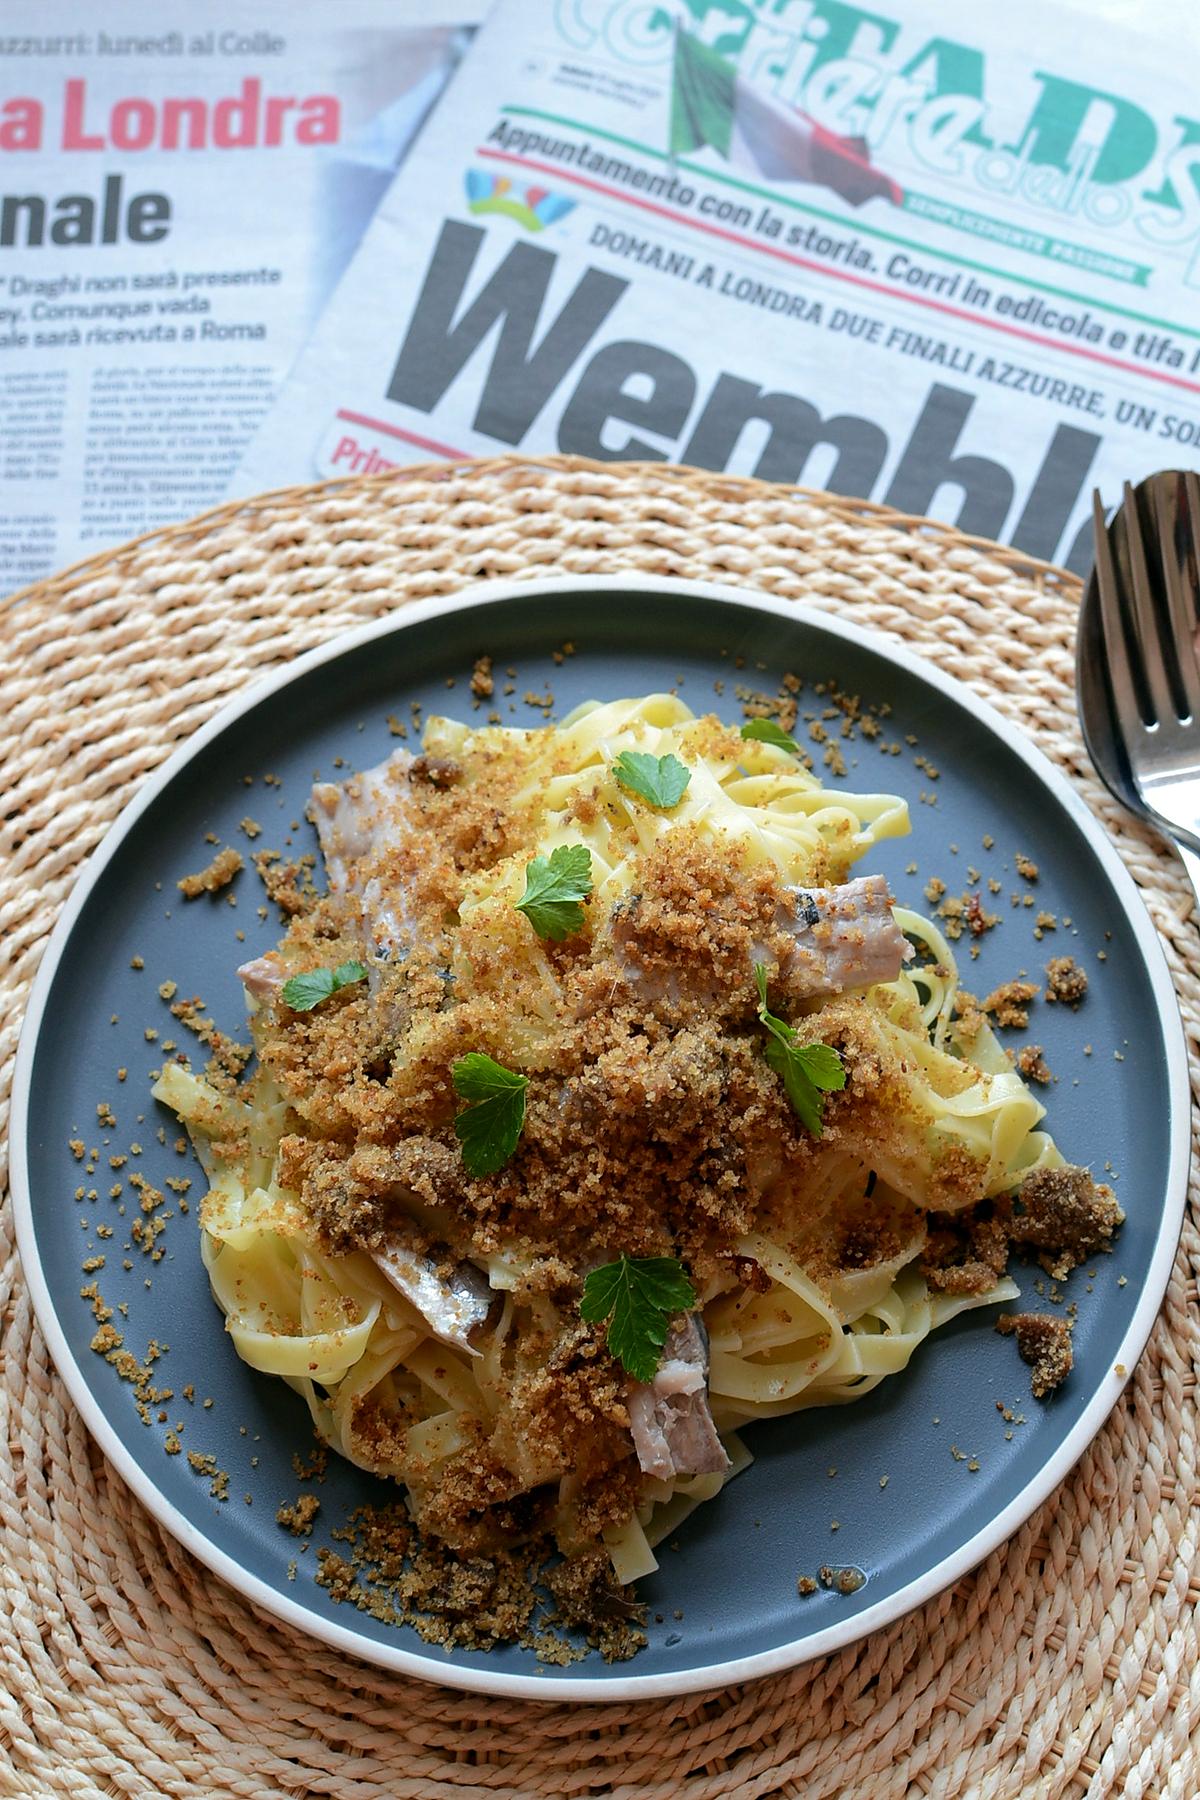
{"x": 1145, "y": 614}
{"x": 1180, "y": 604}
{"x": 1191, "y": 507}
{"x": 1112, "y": 630}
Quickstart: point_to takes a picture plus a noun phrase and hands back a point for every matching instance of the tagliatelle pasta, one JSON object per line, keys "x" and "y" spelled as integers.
{"x": 712, "y": 1059}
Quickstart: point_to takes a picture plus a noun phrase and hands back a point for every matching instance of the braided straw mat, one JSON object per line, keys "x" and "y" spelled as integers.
{"x": 1065, "y": 1665}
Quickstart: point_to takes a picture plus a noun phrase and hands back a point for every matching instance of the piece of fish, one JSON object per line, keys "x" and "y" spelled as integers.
{"x": 672, "y": 1427}
{"x": 356, "y": 819}
{"x": 452, "y": 1307}
{"x": 263, "y": 976}
{"x": 845, "y": 937}
{"x": 352, "y": 817}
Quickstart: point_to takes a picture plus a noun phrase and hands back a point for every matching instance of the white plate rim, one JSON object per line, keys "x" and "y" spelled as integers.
{"x": 782, "y": 1657}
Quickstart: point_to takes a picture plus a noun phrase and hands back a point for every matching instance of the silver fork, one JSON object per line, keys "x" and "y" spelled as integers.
{"x": 1149, "y": 616}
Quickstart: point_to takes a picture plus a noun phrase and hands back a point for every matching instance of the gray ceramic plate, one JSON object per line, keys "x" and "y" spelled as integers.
{"x": 724, "y": 1605}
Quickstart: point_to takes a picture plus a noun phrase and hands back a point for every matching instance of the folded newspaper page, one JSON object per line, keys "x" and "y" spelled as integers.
{"x": 179, "y": 191}
{"x": 952, "y": 266}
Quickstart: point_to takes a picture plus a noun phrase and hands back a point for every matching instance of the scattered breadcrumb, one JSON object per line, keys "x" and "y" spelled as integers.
{"x": 216, "y": 875}
{"x": 289, "y": 884}
{"x": 1007, "y": 1005}
{"x": 485, "y": 1600}
{"x": 298, "y": 1518}
{"x": 109, "y": 1343}
{"x": 311, "y": 1468}
{"x": 1026, "y": 867}
{"x": 1045, "y": 1343}
{"x": 228, "y": 1057}
{"x": 961, "y": 912}
{"x": 206, "y": 1465}
{"x": 1033, "y": 1065}
{"x": 1065, "y": 980}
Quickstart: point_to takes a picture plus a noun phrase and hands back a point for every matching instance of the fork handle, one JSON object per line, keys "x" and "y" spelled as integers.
{"x": 1191, "y": 862}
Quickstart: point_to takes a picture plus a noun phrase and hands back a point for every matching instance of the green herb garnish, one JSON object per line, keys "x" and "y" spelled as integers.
{"x": 769, "y": 731}
{"x": 303, "y": 992}
{"x": 662, "y": 780}
{"x": 638, "y": 1295}
{"x": 809, "y": 1071}
{"x": 488, "y": 1130}
{"x": 554, "y": 887}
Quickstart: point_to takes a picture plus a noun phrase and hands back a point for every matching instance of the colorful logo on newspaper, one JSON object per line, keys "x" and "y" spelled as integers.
{"x": 532, "y": 206}
{"x": 712, "y": 105}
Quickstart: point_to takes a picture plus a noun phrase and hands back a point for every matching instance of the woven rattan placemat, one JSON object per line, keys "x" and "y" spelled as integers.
{"x": 1066, "y": 1664}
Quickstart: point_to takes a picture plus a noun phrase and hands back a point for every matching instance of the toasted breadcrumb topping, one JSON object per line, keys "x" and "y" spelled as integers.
{"x": 653, "y": 1126}
{"x": 1060, "y": 1213}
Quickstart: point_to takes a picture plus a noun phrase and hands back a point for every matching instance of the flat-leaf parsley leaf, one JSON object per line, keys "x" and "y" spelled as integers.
{"x": 303, "y": 992}
{"x": 554, "y": 887}
{"x": 769, "y": 731}
{"x": 808, "y": 1071}
{"x": 488, "y": 1130}
{"x": 662, "y": 780}
{"x": 638, "y": 1295}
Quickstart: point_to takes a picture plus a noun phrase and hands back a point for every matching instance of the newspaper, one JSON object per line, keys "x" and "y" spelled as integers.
{"x": 955, "y": 268}
{"x": 180, "y": 189}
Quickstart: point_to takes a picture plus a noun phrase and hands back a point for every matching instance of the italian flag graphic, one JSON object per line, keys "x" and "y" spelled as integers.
{"x": 711, "y": 104}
